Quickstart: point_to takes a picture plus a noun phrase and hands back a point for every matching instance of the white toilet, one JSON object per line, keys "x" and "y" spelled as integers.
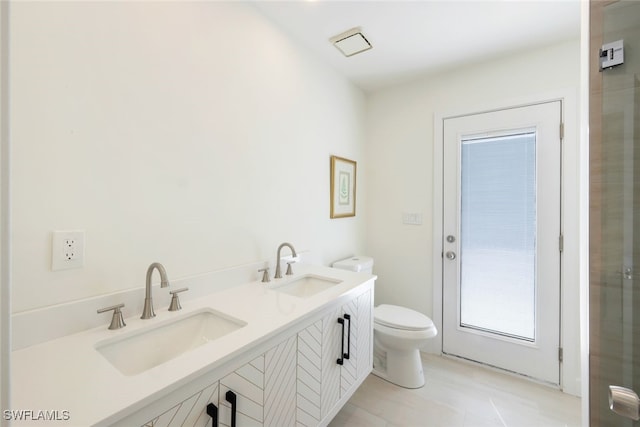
{"x": 398, "y": 335}
{"x": 398, "y": 332}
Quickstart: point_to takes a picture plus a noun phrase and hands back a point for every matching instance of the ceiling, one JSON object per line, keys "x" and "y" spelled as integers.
{"x": 412, "y": 38}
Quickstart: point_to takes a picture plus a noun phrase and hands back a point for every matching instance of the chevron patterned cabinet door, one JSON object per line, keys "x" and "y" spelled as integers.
{"x": 280, "y": 385}
{"x": 349, "y": 373}
{"x": 309, "y": 375}
{"x": 365, "y": 335}
{"x": 247, "y": 383}
{"x": 331, "y": 351}
{"x": 189, "y": 413}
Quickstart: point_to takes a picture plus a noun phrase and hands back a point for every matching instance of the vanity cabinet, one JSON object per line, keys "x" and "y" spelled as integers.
{"x": 297, "y": 382}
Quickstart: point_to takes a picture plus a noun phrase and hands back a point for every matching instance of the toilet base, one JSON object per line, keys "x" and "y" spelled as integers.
{"x": 403, "y": 368}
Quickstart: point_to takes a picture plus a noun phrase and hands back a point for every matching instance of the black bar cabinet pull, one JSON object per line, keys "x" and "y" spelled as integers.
{"x": 340, "y": 360}
{"x": 346, "y": 355}
{"x": 231, "y": 398}
{"x": 212, "y": 411}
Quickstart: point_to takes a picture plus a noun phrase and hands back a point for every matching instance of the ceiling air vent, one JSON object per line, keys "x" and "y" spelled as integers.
{"x": 351, "y": 42}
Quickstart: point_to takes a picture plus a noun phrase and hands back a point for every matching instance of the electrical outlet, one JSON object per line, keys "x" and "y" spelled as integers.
{"x": 67, "y": 249}
{"x": 70, "y": 249}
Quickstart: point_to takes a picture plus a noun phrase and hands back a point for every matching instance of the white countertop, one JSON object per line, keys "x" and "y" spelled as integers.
{"x": 69, "y": 374}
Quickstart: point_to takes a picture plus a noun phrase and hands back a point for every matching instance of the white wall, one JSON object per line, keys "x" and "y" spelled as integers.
{"x": 400, "y": 173}
{"x": 194, "y": 134}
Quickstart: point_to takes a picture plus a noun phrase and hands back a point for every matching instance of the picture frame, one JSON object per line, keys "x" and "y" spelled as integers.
{"x": 343, "y": 187}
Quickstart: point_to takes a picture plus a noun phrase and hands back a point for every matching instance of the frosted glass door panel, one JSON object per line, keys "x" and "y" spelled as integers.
{"x": 498, "y": 234}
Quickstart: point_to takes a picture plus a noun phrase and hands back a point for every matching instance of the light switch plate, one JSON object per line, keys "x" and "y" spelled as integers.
{"x": 67, "y": 249}
{"x": 412, "y": 218}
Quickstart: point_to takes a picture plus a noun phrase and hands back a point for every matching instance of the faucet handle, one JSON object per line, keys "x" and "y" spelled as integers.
{"x": 117, "y": 320}
{"x": 265, "y": 274}
{"x": 289, "y": 269}
{"x": 175, "y": 301}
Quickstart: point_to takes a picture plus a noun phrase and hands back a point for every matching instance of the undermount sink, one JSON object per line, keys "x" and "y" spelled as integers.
{"x": 142, "y": 350}
{"x": 306, "y": 286}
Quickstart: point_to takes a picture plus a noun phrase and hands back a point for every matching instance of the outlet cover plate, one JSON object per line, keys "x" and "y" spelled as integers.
{"x": 67, "y": 249}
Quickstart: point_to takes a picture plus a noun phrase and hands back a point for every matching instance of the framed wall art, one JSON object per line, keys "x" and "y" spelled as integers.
{"x": 343, "y": 187}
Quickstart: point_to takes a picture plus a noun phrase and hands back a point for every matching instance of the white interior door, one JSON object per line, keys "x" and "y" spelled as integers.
{"x": 502, "y": 239}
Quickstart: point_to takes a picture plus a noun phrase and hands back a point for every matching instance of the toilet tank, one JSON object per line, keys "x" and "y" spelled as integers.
{"x": 359, "y": 263}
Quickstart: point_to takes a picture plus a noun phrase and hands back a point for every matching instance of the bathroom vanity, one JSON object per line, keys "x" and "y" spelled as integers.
{"x": 283, "y": 353}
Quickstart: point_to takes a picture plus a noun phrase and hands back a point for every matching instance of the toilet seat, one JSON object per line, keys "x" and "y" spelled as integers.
{"x": 395, "y": 317}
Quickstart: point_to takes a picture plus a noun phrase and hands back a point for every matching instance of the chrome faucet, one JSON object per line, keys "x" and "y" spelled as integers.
{"x": 278, "y": 271}
{"x": 147, "y": 312}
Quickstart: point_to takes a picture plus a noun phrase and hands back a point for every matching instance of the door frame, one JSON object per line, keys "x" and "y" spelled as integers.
{"x": 570, "y": 368}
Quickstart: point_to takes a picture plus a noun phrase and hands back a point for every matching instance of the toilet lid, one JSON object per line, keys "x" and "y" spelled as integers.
{"x": 397, "y": 317}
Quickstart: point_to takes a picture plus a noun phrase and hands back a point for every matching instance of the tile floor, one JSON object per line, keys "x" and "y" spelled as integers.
{"x": 458, "y": 394}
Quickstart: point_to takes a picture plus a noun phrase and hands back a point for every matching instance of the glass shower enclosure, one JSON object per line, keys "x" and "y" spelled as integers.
{"x": 614, "y": 291}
